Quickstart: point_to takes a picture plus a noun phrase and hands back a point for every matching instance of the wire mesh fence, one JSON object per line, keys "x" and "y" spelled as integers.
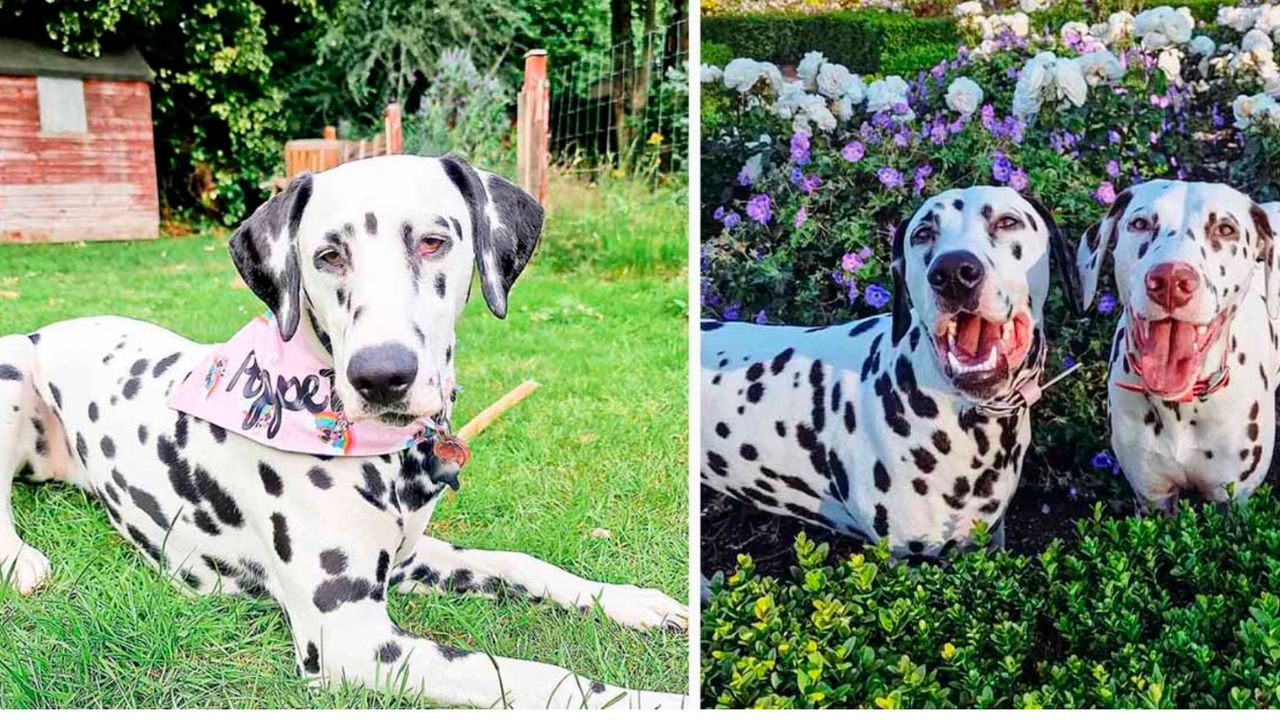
{"x": 625, "y": 110}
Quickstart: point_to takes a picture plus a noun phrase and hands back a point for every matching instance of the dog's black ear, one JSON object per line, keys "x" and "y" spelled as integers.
{"x": 265, "y": 251}
{"x": 901, "y": 294}
{"x": 1268, "y": 256}
{"x": 1092, "y": 250}
{"x": 506, "y": 223}
{"x": 1058, "y": 251}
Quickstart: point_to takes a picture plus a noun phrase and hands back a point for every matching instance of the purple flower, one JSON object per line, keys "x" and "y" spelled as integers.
{"x": 1105, "y": 194}
{"x": 938, "y": 133}
{"x": 853, "y": 152}
{"x": 1106, "y": 303}
{"x": 809, "y": 183}
{"x": 876, "y": 296}
{"x": 796, "y": 175}
{"x": 922, "y": 173}
{"x": 744, "y": 179}
{"x": 800, "y": 148}
{"x": 988, "y": 116}
{"x": 1018, "y": 180}
{"x": 901, "y": 108}
{"x": 1068, "y": 362}
{"x": 758, "y": 209}
{"x": 761, "y": 317}
{"x": 1113, "y": 137}
{"x": 853, "y": 262}
{"x": 1001, "y": 168}
{"x": 801, "y": 215}
{"x": 1218, "y": 120}
{"x": 731, "y": 219}
{"x": 889, "y": 177}
{"x": 1106, "y": 461}
{"x": 719, "y": 213}
{"x": 1113, "y": 168}
{"x": 733, "y": 312}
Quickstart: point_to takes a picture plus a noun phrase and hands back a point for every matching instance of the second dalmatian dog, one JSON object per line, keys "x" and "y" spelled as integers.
{"x": 909, "y": 426}
{"x": 1194, "y": 360}
{"x": 366, "y": 267}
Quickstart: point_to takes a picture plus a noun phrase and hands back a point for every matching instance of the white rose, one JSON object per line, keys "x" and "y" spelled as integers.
{"x": 1119, "y": 27}
{"x": 1033, "y": 5}
{"x": 1101, "y": 66}
{"x": 771, "y": 75}
{"x": 1170, "y": 62}
{"x": 1260, "y": 109}
{"x": 1255, "y": 40}
{"x": 884, "y": 94}
{"x": 1070, "y": 82}
{"x": 1237, "y": 18}
{"x": 814, "y": 109}
{"x": 790, "y": 98}
{"x": 1267, "y": 19}
{"x": 741, "y": 74}
{"x": 855, "y": 90}
{"x": 968, "y": 9}
{"x": 832, "y": 79}
{"x": 710, "y": 74}
{"x": 964, "y": 96}
{"x": 808, "y": 68}
{"x": 1202, "y": 46}
{"x": 844, "y": 109}
{"x": 1031, "y": 84}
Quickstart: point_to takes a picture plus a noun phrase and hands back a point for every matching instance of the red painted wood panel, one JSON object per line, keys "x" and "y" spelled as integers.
{"x": 96, "y": 186}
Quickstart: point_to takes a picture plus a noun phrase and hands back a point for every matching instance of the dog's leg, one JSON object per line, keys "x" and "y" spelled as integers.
{"x": 437, "y": 564}
{"x": 22, "y": 566}
{"x": 342, "y": 632}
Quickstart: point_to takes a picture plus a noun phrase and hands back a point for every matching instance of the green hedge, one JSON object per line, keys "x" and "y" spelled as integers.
{"x": 717, "y": 54}
{"x": 1140, "y": 612}
{"x": 863, "y": 41}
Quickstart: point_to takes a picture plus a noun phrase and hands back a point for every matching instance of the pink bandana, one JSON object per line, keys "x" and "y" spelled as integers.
{"x": 280, "y": 394}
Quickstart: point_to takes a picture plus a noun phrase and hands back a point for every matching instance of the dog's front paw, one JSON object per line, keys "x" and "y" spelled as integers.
{"x": 24, "y": 568}
{"x": 643, "y": 608}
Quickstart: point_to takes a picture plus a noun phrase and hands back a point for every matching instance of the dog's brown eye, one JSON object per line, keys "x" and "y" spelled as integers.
{"x": 330, "y": 259}
{"x": 1139, "y": 224}
{"x": 923, "y": 235}
{"x": 430, "y": 245}
{"x": 1008, "y": 222}
{"x": 1224, "y": 230}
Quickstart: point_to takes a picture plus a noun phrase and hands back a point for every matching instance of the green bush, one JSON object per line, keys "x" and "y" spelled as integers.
{"x": 1141, "y": 612}
{"x": 862, "y": 41}
{"x": 717, "y": 54}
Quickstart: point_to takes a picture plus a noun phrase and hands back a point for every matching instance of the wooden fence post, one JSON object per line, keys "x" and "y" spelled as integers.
{"x": 533, "y": 126}
{"x": 391, "y": 125}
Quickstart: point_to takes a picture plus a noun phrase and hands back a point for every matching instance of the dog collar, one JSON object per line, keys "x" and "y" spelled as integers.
{"x": 1200, "y": 389}
{"x": 281, "y": 394}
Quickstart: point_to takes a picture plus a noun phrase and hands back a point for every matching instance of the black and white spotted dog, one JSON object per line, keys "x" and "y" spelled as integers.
{"x": 376, "y": 253}
{"x": 1194, "y": 361}
{"x": 909, "y": 426}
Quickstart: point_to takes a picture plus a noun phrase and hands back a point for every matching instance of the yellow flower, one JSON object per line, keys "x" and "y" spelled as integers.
{"x": 655, "y": 139}
{"x": 886, "y": 703}
{"x": 948, "y": 651}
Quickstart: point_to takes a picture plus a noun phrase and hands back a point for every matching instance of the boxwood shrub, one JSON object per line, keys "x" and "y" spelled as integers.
{"x": 1137, "y": 613}
{"x": 859, "y": 40}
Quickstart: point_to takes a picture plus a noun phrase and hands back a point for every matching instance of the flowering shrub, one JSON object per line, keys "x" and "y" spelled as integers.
{"x": 1071, "y": 117}
{"x": 1138, "y": 613}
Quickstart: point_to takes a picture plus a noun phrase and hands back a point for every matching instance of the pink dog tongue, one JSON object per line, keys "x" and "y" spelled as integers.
{"x": 1169, "y": 358}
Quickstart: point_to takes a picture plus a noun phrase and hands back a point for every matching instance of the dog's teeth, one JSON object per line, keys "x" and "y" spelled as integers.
{"x": 956, "y": 367}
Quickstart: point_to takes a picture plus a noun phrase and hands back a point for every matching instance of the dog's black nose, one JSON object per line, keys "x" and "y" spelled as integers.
{"x": 956, "y": 276}
{"x": 382, "y": 374}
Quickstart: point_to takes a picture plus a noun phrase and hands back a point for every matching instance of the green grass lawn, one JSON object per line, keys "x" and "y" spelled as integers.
{"x": 601, "y": 445}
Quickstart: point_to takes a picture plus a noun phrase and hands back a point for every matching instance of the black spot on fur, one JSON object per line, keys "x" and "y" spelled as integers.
{"x": 131, "y": 388}
{"x": 722, "y": 430}
{"x": 882, "y": 521}
{"x": 920, "y": 486}
{"x": 311, "y": 663}
{"x": 334, "y": 561}
{"x": 320, "y": 478}
{"x": 224, "y": 507}
{"x": 335, "y": 591}
{"x": 108, "y": 447}
{"x": 82, "y": 449}
{"x": 164, "y": 364}
{"x": 280, "y": 537}
{"x": 57, "y": 395}
{"x": 882, "y": 479}
{"x": 270, "y": 479}
{"x": 146, "y": 502}
{"x": 9, "y": 372}
{"x": 389, "y": 652}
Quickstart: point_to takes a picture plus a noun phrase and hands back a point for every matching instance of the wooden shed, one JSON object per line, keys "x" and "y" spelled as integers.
{"x": 77, "y": 154}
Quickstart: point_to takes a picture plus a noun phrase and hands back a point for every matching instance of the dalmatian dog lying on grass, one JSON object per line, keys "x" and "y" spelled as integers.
{"x": 368, "y": 267}
{"x": 910, "y": 426}
{"x": 1194, "y": 361}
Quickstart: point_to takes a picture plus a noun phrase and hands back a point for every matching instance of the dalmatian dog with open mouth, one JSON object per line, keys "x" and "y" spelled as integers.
{"x": 368, "y": 265}
{"x": 909, "y": 426}
{"x": 1193, "y": 363}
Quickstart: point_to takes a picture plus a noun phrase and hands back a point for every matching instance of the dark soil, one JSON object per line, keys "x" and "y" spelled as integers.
{"x": 730, "y": 528}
